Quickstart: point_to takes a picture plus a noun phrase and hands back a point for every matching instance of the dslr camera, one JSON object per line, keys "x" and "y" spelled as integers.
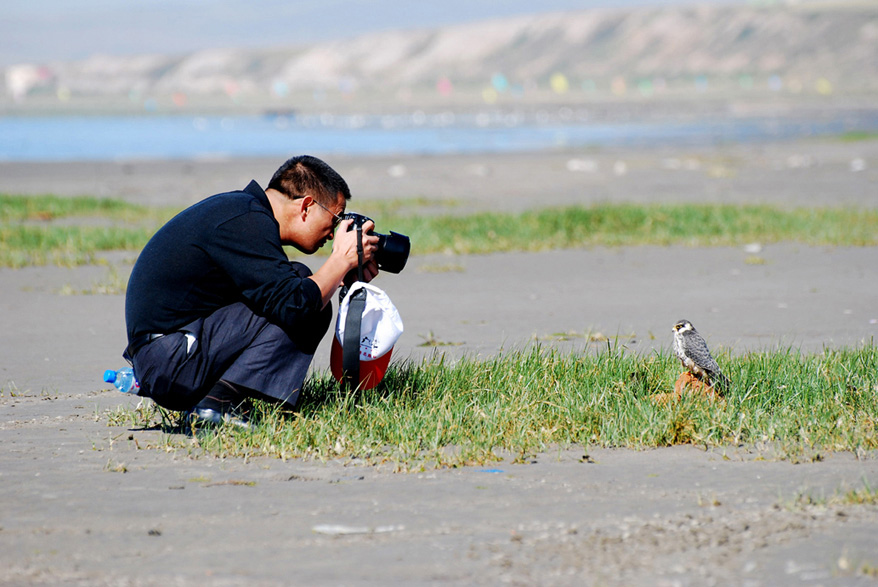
{"x": 393, "y": 249}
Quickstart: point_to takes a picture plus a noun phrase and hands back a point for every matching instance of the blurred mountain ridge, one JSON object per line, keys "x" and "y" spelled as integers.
{"x": 616, "y": 50}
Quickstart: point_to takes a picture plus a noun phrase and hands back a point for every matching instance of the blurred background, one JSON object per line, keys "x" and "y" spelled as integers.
{"x": 165, "y": 79}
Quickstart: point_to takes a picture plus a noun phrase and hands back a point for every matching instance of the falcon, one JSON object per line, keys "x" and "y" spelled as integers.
{"x": 691, "y": 349}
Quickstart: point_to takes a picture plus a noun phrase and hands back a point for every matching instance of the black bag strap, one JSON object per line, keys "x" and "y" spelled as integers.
{"x": 350, "y": 352}
{"x": 351, "y": 344}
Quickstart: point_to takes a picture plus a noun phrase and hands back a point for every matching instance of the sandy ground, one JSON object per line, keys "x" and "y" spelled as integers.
{"x": 675, "y": 516}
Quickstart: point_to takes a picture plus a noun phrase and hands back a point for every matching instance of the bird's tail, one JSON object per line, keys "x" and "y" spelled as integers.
{"x": 720, "y": 382}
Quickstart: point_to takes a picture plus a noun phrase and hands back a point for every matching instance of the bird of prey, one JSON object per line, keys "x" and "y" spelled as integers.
{"x": 692, "y": 351}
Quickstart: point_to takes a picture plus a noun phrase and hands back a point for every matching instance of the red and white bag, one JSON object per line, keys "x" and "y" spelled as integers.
{"x": 373, "y": 326}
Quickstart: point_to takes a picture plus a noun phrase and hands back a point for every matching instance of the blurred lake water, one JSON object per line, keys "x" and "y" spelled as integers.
{"x": 60, "y": 138}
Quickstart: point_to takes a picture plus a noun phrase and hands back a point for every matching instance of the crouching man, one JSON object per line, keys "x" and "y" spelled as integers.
{"x": 215, "y": 311}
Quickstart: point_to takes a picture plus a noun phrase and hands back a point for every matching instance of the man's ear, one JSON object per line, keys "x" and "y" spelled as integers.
{"x": 303, "y": 205}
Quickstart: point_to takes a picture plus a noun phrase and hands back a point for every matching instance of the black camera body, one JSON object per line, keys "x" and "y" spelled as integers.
{"x": 393, "y": 249}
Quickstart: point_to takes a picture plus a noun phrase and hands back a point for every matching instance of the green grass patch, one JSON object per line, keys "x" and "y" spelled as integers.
{"x": 856, "y": 136}
{"x": 627, "y": 225}
{"x": 39, "y": 230}
{"x": 70, "y": 231}
{"x": 48, "y": 207}
{"x": 435, "y": 414}
{"x": 66, "y": 245}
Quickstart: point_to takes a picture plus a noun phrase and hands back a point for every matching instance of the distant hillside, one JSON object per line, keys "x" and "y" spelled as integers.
{"x": 805, "y": 49}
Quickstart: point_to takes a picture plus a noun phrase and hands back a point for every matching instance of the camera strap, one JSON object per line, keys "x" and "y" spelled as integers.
{"x": 360, "y": 275}
{"x": 351, "y": 342}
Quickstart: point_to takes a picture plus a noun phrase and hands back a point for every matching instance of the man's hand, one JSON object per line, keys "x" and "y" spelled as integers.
{"x": 341, "y": 266}
{"x": 345, "y": 246}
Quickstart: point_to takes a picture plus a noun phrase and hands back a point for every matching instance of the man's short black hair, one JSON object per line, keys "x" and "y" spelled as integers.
{"x": 307, "y": 175}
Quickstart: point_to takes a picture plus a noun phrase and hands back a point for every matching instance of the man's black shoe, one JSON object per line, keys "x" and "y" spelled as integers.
{"x": 224, "y": 403}
{"x": 212, "y": 417}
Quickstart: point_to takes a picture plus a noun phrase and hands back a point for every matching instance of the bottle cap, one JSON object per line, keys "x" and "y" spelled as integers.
{"x": 109, "y": 376}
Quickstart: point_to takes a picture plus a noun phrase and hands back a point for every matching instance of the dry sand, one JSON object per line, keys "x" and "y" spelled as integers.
{"x": 675, "y": 516}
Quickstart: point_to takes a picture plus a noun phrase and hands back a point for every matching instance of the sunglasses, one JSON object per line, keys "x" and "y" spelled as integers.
{"x": 336, "y": 217}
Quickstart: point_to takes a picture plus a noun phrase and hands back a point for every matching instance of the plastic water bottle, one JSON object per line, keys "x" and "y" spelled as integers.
{"x": 123, "y": 379}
